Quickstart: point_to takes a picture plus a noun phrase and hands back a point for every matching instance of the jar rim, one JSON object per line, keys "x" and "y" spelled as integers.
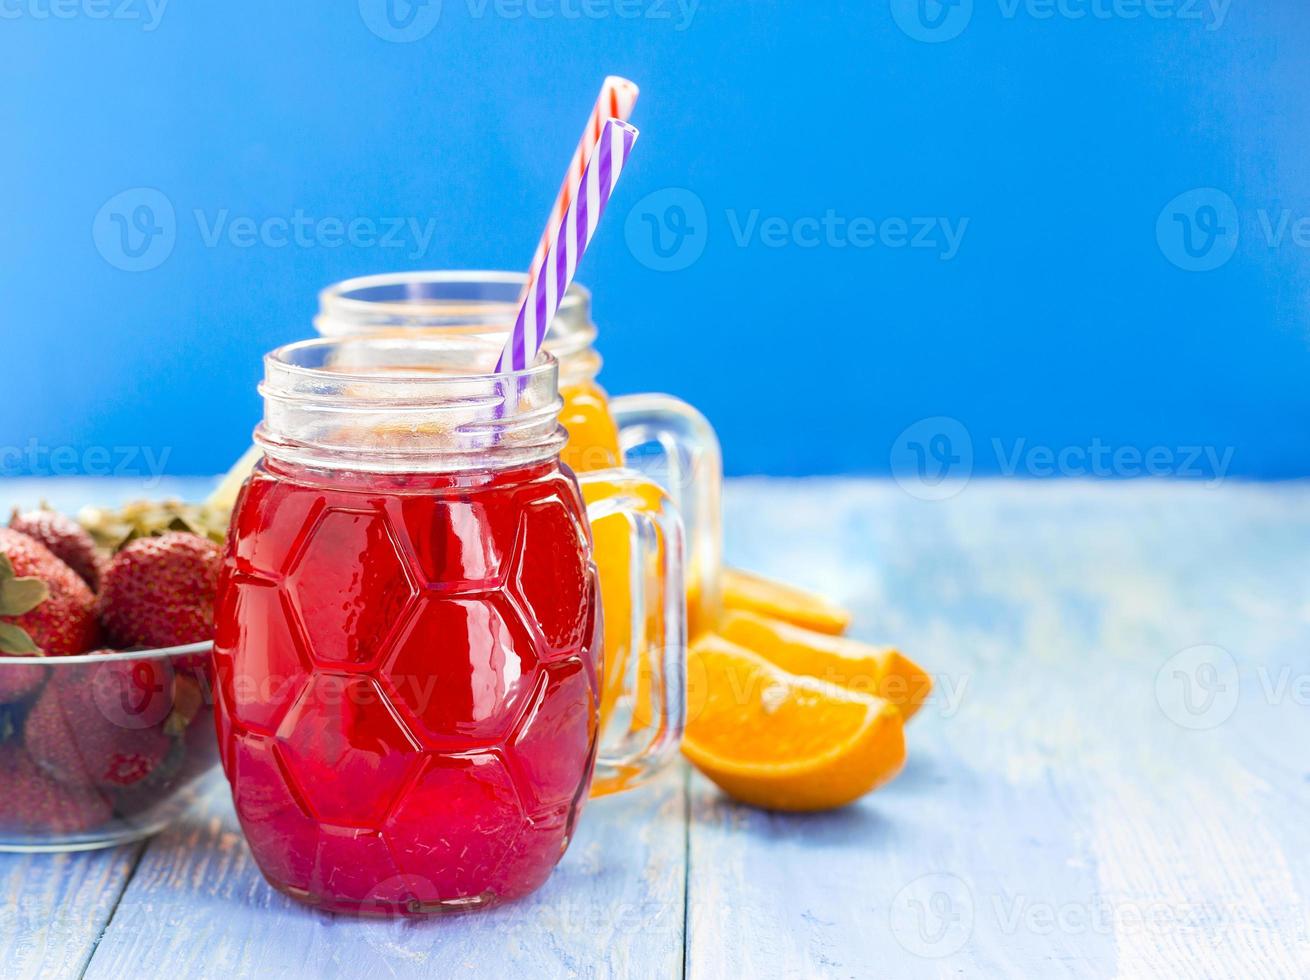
{"x": 277, "y": 360}
{"x": 422, "y": 402}
{"x": 110, "y": 656}
{"x": 415, "y": 300}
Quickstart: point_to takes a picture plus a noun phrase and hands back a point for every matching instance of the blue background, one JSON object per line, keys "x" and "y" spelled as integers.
{"x": 1066, "y": 319}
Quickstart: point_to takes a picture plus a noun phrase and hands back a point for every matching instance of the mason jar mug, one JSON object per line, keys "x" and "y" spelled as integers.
{"x": 408, "y": 645}
{"x": 667, "y": 438}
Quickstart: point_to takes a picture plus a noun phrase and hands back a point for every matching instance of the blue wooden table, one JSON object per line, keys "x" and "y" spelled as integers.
{"x": 1113, "y": 778}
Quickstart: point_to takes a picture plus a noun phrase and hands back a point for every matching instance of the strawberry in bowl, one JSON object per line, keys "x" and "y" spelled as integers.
{"x": 106, "y": 720}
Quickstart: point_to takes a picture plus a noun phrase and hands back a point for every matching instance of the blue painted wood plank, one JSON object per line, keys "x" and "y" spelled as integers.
{"x": 198, "y": 907}
{"x": 54, "y": 908}
{"x": 1109, "y": 779}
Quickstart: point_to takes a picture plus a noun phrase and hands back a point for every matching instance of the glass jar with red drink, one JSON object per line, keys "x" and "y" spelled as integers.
{"x": 408, "y": 637}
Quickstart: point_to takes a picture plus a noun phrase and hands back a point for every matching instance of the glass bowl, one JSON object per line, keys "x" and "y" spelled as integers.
{"x": 104, "y": 748}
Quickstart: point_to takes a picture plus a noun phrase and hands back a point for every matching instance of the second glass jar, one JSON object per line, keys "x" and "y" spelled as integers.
{"x": 662, "y": 435}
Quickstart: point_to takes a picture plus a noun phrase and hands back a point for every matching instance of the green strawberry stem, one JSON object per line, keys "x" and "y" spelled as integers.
{"x": 21, "y": 595}
{"x": 15, "y": 641}
{"x": 18, "y": 596}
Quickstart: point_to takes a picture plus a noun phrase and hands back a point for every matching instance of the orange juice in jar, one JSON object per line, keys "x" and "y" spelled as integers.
{"x": 602, "y": 433}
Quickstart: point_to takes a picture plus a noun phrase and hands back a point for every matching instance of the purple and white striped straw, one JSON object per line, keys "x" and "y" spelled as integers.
{"x": 551, "y": 278}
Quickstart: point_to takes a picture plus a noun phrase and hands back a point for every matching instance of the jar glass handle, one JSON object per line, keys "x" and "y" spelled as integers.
{"x": 644, "y": 722}
{"x": 664, "y": 436}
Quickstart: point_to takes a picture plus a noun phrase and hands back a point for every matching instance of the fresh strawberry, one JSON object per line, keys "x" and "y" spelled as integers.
{"x": 67, "y": 540}
{"x": 142, "y": 797}
{"x": 18, "y": 680}
{"x": 101, "y": 725}
{"x": 45, "y": 608}
{"x": 159, "y": 592}
{"x": 32, "y": 802}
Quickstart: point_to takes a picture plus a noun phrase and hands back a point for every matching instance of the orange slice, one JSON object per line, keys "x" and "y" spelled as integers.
{"x": 754, "y": 593}
{"x": 883, "y": 672}
{"x": 613, "y": 555}
{"x": 783, "y": 741}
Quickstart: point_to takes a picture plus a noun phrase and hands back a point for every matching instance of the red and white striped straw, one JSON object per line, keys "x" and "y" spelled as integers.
{"x": 552, "y": 275}
{"x": 616, "y": 100}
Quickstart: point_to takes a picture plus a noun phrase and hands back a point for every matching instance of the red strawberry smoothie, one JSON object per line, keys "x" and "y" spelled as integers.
{"x": 407, "y": 682}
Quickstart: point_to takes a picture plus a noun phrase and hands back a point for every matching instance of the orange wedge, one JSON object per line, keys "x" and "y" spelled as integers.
{"x": 883, "y": 672}
{"x": 613, "y": 554}
{"x": 753, "y": 593}
{"x": 782, "y": 741}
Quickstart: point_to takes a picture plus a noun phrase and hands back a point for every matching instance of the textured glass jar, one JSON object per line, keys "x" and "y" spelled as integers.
{"x": 408, "y": 627}
{"x": 667, "y": 437}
